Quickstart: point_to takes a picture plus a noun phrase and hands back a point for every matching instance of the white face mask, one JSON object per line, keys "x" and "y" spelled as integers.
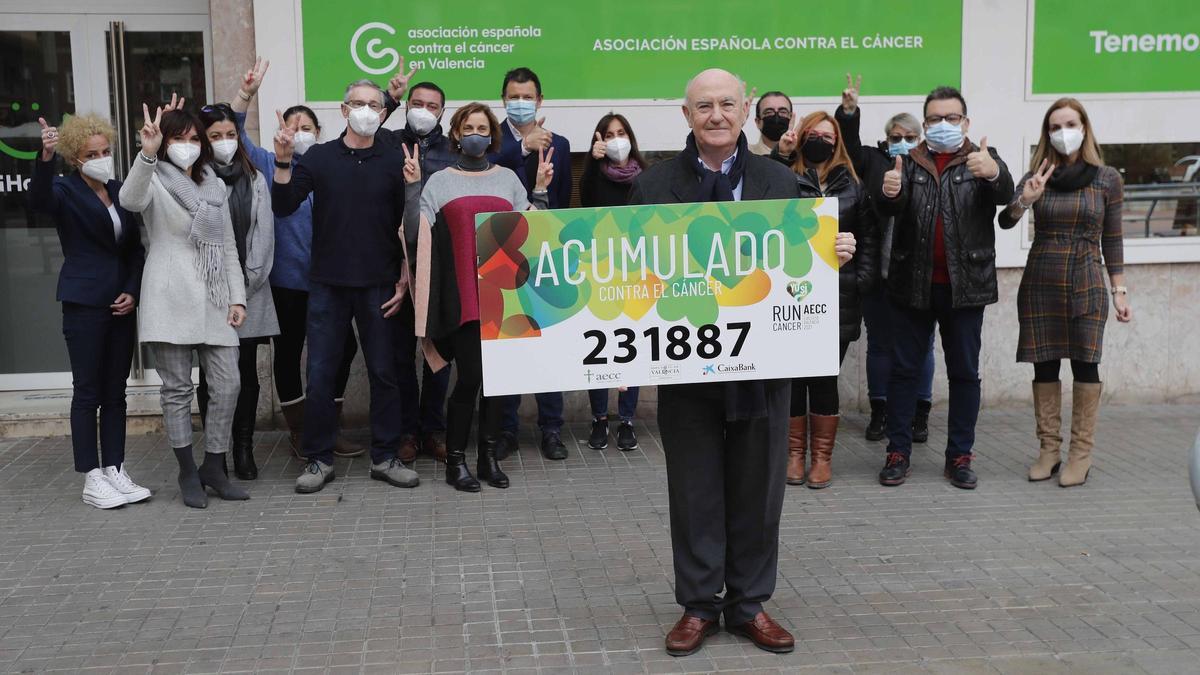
{"x": 364, "y": 121}
{"x": 421, "y": 121}
{"x": 183, "y": 155}
{"x": 99, "y": 169}
{"x": 617, "y": 149}
{"x": 302, "y": 141}
{"x": 225, "y": 149}
{"x": 1067, "y": 139}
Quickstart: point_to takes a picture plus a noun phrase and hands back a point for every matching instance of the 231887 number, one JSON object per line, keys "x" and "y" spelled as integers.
{"x": 677, "y": 346}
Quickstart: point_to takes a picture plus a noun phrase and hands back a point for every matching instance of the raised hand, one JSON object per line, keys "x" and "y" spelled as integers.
{"x": 285, "y": 138}
{"x": 175, "y": 104}
{"x": 844, "y": 246}
{"x": 599, "y": 147}
{"x": 412, "y": 164}
{"x": 545, "y": 171}
{"x": 538, "y": 138}
{"x": 49, "y": 139}
{"x": 790, "y": 139}
{"x": 150, "y": 133}
{"x": 399, "y": 82}
{"x": 1033, "y": 188}
{"x": 980, "y": 162}
{"x": 850, "y": 94}
{"x": 751, "y": 96}
{"x": 253, "y": 78}
{"x": 893, "y": 179}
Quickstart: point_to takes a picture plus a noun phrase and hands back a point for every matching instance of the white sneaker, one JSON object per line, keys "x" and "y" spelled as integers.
{"x": 100, "y": 493}
{"x": 124, "y": 484}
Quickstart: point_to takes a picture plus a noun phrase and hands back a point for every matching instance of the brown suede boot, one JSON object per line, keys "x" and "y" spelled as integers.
{"x": 824, "y": 433}
{"x": 1047, "y": 410}
{"x": 797, "y": 449}
{"x": 293, "y": 414}
{"x": 1085, "y": 404}
{"x": 343, "y": 447}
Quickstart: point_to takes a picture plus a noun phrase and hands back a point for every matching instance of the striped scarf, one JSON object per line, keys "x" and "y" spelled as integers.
{"x": 205, "y": 202}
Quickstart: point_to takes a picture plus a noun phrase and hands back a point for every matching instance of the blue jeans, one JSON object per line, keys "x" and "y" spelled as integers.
{"x": 330, "y": 309}
{"x": 626, "y": 403}
{"x": 877, "y": 315}
{"x": 913, "y": 328}
{"x": 425, "y": 401}
{"x": 550, "y": 411}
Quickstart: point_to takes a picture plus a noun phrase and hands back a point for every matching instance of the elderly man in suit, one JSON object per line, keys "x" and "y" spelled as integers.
{"x": 725, "y": 443}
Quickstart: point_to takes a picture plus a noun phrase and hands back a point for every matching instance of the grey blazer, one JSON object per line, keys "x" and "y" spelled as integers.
{"x": 260, "y": 256}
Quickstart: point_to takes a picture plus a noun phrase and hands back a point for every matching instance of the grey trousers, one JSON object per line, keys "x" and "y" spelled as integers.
{"x": 725, "y": 482}
{"x": 174, "y": 364}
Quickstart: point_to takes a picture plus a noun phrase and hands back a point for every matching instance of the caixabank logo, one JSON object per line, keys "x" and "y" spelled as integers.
{"x": 727, "y": 368}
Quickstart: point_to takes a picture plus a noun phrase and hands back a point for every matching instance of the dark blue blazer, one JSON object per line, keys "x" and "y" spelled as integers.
{"x": 96, "y": 266}
{"x": 526, "y": 167}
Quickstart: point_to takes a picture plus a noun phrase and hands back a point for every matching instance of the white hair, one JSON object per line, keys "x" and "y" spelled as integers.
{"x": 362, "y": 83}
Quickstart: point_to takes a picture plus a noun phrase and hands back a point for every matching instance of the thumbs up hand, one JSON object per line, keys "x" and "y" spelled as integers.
{"x": 981, "y": 164}
{"x": 599, "y": 147}
{"x": 893, "y": 179}
{"x": 49, "y": 139}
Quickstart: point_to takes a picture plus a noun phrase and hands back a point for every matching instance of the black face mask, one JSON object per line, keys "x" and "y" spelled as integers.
{"x": 774, "y": 126}
{"x": 816, "y": 151}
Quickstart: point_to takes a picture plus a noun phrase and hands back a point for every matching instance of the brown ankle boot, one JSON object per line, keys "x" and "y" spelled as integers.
{"x": 1085, "y": 404}
{"x": 293, "y": 414}
{"x": 342, "y": 446}
{"x": 797, "y": 449}
{"x": 1047, "y": 410}
{"x": 824, "y": 433}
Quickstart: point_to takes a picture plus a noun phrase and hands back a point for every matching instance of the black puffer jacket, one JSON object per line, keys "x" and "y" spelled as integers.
{"x": 968, "y": 208}
{"x": 858, "y": 276}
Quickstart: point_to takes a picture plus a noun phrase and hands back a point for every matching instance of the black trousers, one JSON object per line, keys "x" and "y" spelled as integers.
{"x": 100, "y": 347}
{"x": 725, "y": 482}
{"x": 817, "y": 395}
{"x": 463, "y": 347}
{"x": 291, "y": 306}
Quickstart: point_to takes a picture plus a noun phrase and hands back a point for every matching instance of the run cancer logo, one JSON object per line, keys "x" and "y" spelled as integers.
{"x": 799, "y": 290}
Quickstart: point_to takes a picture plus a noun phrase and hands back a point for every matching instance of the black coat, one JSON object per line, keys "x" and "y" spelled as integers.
{"x": 858, "y": 276}
{"x": 97, "y": 267}
{"x": 968, "y": 208}
{"x": 436, "y": 153}
{"x": 597, "y": 189}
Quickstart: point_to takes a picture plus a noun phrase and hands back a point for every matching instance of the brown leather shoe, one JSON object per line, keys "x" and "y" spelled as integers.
{"x": 688, "y": 635}
{"x": 432, "y": 444}
{"x": 766, "y": 634}
{"x": 408, "y": 449}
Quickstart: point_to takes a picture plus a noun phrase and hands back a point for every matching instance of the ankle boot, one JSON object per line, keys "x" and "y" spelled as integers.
{"x": 797, "y": 449}
{"x": 211, "y": 476}
{"x": 1085, "y": 404}
{"x": 920, "y": 423}
{"x": 824, "y": 433}
{"x": 1047, "y": 410}
{"x": 342, "y": 446}
{"x": 293, "y": 414}
{"x": 190, "y": 489}
{"x": 877, "y": 427}
{"x": 458, "y": 431}
{"x": 243, "y": 433}
{"x": 488, "y": 467}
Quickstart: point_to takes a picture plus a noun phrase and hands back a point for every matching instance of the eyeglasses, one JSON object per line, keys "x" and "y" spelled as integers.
{"x": 828, "y": 138}
{"x": 953, "y": 118}
{"x": 375, "y": 106}
{"x": 777, "y": 112}
{"x": 214, "y": 107}
{"x": 896, "y": 138}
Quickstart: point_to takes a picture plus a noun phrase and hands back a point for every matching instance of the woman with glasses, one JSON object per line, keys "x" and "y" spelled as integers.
{"x": 1062, "y": 303}
{"x": 289, "y": 271}
{"x": 249, "y": 204}
{"x": 824, "y": 169}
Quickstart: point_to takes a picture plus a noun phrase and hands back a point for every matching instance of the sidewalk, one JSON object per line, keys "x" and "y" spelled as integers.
{"x": 570, "y": 569}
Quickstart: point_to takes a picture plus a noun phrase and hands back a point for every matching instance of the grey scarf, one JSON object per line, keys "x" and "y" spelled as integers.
{"x": 205, "y": 202}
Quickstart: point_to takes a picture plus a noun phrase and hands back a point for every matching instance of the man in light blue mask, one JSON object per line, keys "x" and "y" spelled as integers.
{"x": 523, "y": 136}
{"x": 943, "y": 195}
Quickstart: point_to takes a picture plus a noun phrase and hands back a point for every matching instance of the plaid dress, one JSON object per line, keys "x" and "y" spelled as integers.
{"x": 1062, "y": 303}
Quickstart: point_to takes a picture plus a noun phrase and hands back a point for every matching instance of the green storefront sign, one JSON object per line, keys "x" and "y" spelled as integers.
{"x": 1115, "y": 46}
{"x": 632, "y": 49}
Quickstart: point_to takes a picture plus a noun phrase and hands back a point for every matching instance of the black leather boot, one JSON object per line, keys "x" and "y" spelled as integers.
{"x": 243, "y": 433}
{"x": 488, "y": 467}
{"x": 920, "y": 423}
{"x": 877, "y": 427}
{"x": 458, "y": 430}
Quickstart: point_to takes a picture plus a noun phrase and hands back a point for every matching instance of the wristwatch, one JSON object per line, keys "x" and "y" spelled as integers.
{"x": 1120, "y": 289}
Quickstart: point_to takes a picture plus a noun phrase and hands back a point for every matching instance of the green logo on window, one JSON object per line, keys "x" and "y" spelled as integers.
{"x": 13, "y": 152}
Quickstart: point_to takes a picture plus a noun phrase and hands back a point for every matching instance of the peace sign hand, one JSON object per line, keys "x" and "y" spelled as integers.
{"x": 412, "y": 164}
{"x": 49, "y": 139}
{"x": 599, "y": 148}
{"x": 285, "y": 138}
{"x": 545, "y": 171}
{"x": 850, "y": 94}
{"x": 790, "y": 140}
{"x": 1036, "y": 185}
{"x": 253, "y": 78}
{"x": 175, "y": 104}
{"x": 150, "y": 133}
{"x": 399, "y": 82}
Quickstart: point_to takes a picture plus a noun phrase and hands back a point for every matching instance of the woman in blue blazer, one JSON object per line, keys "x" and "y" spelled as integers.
{"x": 98, "y": 288}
